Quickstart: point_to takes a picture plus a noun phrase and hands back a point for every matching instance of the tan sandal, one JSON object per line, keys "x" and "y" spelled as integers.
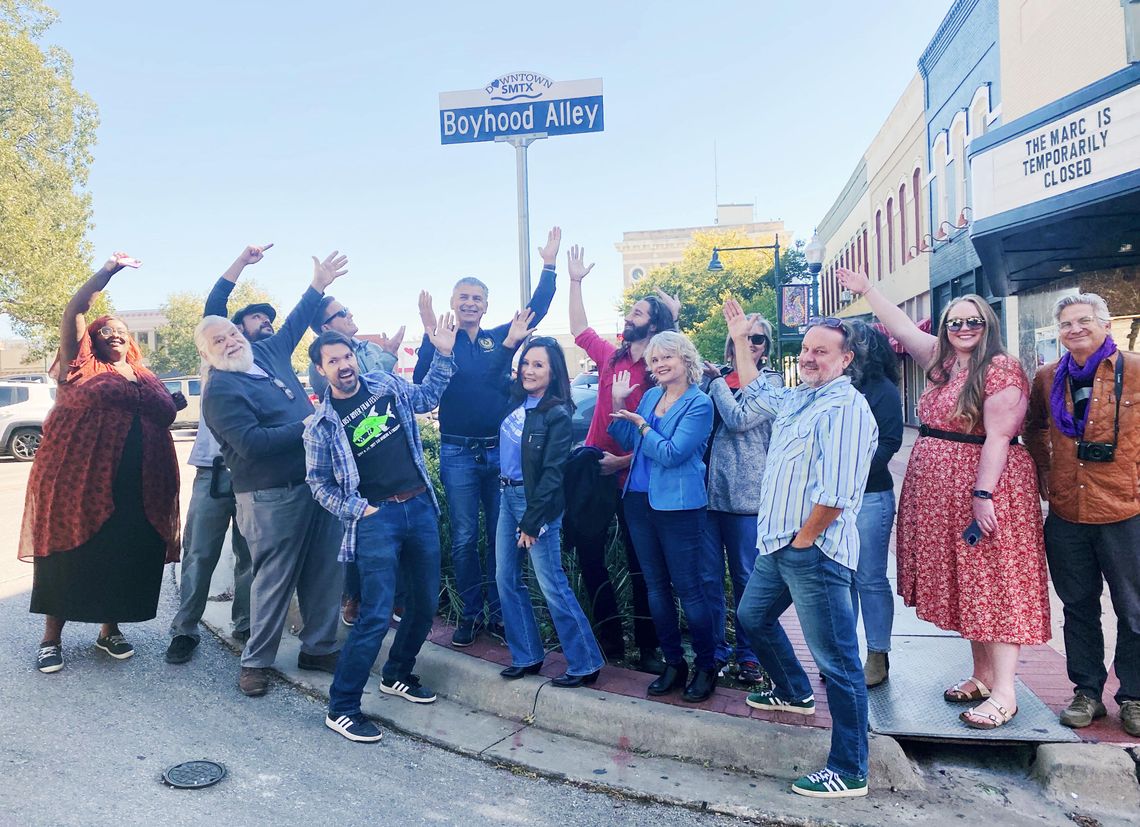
{"x": 957, "y": 695}
{"x": 988, "y": 719}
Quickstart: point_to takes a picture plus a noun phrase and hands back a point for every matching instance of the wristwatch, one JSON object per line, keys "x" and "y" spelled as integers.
{"x": 981, "y": 495}
{"x": 642, "y": 428}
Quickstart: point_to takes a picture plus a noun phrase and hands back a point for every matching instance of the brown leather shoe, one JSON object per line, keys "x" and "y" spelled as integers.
{"x": 254, "y": 681}
{"x": 350, "y": 611}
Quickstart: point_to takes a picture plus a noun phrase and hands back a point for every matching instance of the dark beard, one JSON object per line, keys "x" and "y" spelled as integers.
{"x": 635, "y": 334}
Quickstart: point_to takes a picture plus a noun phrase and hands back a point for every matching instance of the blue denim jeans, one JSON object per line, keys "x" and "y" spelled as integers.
{"x": 470, "y": 484}
{"x": 821, "y": 591}
{"x": 578, "y": 643}
{"x": 398, "y": 537}
{"x": 734, "y": 536}
{"x": 871, "y": 590}
{"x": 668, "y": 546}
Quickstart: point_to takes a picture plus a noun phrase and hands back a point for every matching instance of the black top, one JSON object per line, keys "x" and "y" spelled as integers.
{"x": 1082, "y": 392}
{"x": 379, "y": 446}
{"x": 476, "y": 399}
{"x": 546, "y": 442}
{"x": 886, "y": 406}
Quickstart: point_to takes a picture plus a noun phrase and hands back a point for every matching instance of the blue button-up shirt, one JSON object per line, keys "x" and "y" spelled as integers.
{"x": 822, "y": 443}
{"x": 330, "y": 467}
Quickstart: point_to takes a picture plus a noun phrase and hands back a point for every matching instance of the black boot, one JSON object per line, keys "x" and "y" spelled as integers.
{"x": 701, "y": 686}
{"x": 674, "y": 677}
{"x": 515, "y": 672}
{"x": 573, "y": 681}
{"x": 649, "y": 661}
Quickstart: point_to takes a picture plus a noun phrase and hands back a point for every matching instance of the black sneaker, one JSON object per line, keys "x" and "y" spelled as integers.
{"x": 464, "y": 633}
{"x": 409, "y": 689}
{"x": 354, "y": 727}
{"x": 49, "y": 658}
{"x": 181, "y": 648}
{"x": 116, "y": 646}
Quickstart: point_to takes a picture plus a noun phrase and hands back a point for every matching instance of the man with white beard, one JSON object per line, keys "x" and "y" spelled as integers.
{"x": 257, "y": 410}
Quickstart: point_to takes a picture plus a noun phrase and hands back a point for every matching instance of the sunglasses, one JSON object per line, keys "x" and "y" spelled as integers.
{"x": 831, "y": 323}
{"x": 340, "y": 314}
{"x": 758, "y": 339}
{"x": 106, "y": 331}
{"x": 972, "y": 323}
{"x": 288, "y": 393}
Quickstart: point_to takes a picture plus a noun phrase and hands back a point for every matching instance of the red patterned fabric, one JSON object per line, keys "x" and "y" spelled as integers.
{"x": 998, "y": 589}
{"x": 69, "y": 492}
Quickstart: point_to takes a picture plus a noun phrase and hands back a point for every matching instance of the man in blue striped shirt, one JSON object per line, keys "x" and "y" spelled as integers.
{"x": 823, "y": 438}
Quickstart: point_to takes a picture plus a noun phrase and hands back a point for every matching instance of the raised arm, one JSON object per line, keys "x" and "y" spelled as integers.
{"x": 220, "y": 294}
{"x": 74, "y": 325}
{"x": 577, "y": 270}
{"x": 544, "y": 292}
{"x": 427, "y": 349}
{"x": 921, "y": 346}
{"x": 289, "y": 335}
{"x": 736, "y": 415}
{"x": 425, "y": 394}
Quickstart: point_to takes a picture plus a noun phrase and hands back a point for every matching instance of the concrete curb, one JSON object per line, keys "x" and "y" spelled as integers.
{"x": 1097, "y": 775}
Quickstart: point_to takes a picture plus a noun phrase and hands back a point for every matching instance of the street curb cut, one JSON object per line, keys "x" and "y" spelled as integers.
{"x": 632, "y": 725}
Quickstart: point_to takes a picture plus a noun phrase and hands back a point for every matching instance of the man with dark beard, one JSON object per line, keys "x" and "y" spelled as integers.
{"x": 596, "y": 475}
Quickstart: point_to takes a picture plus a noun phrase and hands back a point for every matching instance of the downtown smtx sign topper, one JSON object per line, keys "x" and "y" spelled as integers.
{"x": 521, "y": 103}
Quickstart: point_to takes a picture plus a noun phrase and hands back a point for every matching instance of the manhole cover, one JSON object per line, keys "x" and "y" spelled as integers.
{"x": 191, "y": 775}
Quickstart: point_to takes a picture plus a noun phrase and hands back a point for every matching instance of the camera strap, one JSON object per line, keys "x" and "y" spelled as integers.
{"x": 1118, "y": 389}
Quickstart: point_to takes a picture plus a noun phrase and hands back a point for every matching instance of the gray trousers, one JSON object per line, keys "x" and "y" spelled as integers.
{"x": 1081, "y": 557}
{"x": 207, "y": 522}
{"x": 294, "y": 545}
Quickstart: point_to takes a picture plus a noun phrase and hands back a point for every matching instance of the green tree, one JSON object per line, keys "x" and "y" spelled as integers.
{"x": 176, "y": 352}
{"x": 47, "y": 130}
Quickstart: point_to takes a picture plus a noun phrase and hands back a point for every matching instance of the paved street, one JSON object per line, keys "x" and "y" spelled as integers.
{"x": 87, "y": 746}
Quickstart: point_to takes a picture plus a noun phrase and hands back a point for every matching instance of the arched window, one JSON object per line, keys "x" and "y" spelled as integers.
{"x": 958, "y": 147}
{"x": 879, "y": 244}
{"x": 866, "y": 261}
{"x": 916, "y": 189}
{"x": 902, "y": 224}
{"x": 890, "y": 235}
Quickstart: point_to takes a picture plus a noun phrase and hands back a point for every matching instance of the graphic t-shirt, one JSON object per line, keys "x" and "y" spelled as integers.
{"x": 379, "y": 444}
{"x": 510, "y": 440}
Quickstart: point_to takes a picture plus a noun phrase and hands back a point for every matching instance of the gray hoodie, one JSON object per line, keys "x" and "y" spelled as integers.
{"x": 739, "y": 449}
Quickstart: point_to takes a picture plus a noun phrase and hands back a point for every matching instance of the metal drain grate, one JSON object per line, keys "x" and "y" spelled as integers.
{"x": 193, "y": 775}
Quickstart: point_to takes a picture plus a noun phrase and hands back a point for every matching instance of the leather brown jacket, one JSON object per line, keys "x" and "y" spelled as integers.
{"x": 1077, "y": 490}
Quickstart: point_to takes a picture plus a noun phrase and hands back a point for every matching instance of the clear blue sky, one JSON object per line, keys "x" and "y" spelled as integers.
{"x": 315, "y": 126}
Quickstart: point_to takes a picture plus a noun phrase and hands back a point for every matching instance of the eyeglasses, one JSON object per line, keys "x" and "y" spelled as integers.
{"x": 972, "y": 323}
{"x": 758, "y": 339}
{"x": 106, "y": 331}
{"x": 288, "y": 393}
{"x": 340, "y": 314}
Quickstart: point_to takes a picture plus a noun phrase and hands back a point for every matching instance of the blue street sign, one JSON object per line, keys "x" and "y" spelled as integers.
{"x": 521, "y": 103}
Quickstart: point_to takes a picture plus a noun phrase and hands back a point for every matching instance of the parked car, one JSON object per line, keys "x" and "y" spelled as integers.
{"x": 585, "y": 398}
{"x": 585, "y": 380}
{"x": 35, "y": 378}
{"x": 23, "y": 408}
{"x": 191, "y": 388}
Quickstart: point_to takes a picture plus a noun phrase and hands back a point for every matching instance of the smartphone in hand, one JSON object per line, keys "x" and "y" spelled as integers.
{"x": 127, "y": 261}
{"x": 973, "y": 533}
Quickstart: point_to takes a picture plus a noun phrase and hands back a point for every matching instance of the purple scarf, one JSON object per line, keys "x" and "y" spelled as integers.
{"x": 1068, "y": 368}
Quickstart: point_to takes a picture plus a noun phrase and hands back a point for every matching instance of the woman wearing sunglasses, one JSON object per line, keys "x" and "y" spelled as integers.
{"x": 534, "y": 444}
{"x": 101, "y": 511}
{"x": 735, "y": 460}
{"x": 967, "y": 467}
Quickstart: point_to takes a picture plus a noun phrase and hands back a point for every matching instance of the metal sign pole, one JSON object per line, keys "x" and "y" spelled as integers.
{"x": 520, "y": 143}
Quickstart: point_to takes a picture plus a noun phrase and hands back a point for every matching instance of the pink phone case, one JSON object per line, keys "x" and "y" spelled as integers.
{"x": 127, "y": 261}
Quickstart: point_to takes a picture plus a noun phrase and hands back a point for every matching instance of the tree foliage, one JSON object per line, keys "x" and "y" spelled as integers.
{"x": 47, "y": 130}
{"x": 748, "y": 276}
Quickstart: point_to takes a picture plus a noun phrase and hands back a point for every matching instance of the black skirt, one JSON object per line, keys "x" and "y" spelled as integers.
{"x": 115, "y": 576}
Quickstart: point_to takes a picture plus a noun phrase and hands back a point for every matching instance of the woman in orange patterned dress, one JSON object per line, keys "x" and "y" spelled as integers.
{"x": 967, "y": 466}
{"x": 101, "y": 510}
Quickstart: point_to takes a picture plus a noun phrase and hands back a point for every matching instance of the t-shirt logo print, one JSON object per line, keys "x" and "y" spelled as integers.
{"x": 371, "y": 427}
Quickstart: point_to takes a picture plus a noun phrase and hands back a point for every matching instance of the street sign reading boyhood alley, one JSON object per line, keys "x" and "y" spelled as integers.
{"x": 521, "y": 103}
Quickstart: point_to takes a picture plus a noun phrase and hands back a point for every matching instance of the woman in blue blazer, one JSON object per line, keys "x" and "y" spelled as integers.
{"x": 665, "y": 503}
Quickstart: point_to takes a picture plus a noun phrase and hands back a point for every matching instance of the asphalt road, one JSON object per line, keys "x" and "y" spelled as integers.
{"x": 88, "y": 745}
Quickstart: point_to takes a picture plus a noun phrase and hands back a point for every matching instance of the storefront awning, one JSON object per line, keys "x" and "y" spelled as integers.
{"x": 1057, "y": 191}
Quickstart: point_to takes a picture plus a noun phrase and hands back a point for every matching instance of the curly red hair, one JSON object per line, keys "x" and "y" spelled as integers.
{"x": 87, "y": 362}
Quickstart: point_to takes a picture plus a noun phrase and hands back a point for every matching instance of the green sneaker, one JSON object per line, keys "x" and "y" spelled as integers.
{"x": 829, "y": 784}
{"x": 1130, "y": 717}
{"x": 1082, "y": 711}
{"x": 766, "y": 699}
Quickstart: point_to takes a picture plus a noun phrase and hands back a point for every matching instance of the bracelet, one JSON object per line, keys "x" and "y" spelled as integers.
{"x": 642, "y": 428}
{"x": 981, "y": 495}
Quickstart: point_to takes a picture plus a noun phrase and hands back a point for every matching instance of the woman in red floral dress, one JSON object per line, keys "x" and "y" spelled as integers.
{"x": 964, "y": 468}
{"x": 101, "y": 510}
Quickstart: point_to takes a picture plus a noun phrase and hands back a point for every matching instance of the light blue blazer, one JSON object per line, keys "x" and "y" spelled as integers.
{"x": 676, "y": 448}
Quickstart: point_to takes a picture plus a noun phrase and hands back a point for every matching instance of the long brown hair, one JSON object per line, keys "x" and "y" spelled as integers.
{"x": 968, "y": 409}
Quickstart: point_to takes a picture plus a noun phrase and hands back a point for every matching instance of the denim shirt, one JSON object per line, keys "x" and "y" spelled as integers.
{"x": 331, "y": 468}
{"x": 676, "y": 448}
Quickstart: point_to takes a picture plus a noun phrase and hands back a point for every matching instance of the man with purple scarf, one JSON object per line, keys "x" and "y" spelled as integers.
{"x": 1083, "y": 430}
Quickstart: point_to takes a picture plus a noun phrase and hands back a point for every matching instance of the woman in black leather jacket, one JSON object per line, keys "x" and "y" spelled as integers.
{"x": 534, "y": 444}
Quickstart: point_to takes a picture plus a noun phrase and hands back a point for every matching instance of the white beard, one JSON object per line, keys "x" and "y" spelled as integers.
{"x": 239, "y": 363}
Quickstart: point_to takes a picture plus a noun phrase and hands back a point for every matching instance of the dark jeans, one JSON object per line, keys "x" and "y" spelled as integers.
{"x": 399, "y": 537}
{"x": 732, "y": 536}
{"x": 470, "y": 484}
{"x": 589, "y": 542}
{"x": 1081, "y": 557}
{"x": 669, "y": 547}
{"x": 821, "y": 591}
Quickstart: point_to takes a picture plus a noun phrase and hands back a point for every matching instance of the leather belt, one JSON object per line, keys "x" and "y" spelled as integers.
{"x": 470, "y": 441}
{"x": 956, "y": 436}
{"x": 510, "y": 483}
{"x": 404, "y": 496}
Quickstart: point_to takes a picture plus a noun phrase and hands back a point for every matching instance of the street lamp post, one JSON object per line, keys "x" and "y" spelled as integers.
{"x": 813, "y": 255}
{"x": 715, "y": 266}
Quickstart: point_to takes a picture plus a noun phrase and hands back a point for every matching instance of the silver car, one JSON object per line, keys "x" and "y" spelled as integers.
{"x": 23, "y": 408}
